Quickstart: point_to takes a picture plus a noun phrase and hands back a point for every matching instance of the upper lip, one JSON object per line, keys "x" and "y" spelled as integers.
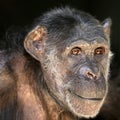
{"x": 86, "y": 98}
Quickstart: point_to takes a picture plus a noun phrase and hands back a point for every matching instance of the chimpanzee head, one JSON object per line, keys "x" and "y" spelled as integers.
{"x": 73, "y": 49}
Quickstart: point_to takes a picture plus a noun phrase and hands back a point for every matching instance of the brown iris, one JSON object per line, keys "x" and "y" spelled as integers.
{"x": 99, "y": 51}
{"x": 76, "y": 51}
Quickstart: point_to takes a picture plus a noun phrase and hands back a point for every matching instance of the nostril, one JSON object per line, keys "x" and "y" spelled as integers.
{"x": 91, "y": 75}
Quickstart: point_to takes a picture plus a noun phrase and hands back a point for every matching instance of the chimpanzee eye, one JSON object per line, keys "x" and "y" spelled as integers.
{"x": 76, "y": 51}
{"x": 99, "y": 51}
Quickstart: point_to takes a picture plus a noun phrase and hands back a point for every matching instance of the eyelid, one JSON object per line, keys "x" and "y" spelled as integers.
{"x": 99, "y": 50}
{"x": 76, "y": 51}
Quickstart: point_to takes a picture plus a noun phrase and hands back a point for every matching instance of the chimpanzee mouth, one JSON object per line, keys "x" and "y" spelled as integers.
{"x": 85, "y": 98}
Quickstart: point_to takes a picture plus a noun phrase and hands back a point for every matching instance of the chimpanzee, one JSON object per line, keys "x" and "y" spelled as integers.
{"x": 58, "y": 71}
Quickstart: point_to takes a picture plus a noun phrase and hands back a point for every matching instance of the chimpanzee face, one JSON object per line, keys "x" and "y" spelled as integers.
{"x": 77, "y": 76}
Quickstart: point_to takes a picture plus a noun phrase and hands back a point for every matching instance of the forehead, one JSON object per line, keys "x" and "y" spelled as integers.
{"x": 86, "y": 35}
{"x": 88, "y": 44}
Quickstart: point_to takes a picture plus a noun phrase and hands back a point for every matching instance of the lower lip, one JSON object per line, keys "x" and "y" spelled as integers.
{"x": 85, "y": 98}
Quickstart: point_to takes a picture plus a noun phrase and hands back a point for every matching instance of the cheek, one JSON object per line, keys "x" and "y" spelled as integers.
{"x": 55, "y": 79}
{"x": 104, "y": 67}
{"x": 55, "y": 75}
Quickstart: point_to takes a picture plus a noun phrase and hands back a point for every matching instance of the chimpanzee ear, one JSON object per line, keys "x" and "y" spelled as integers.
{"x": 107, "y": 26}
{"x": 35, "y": 42}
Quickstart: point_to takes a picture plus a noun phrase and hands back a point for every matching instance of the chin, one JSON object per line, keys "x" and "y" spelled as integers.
{"x": 84, "y": 107}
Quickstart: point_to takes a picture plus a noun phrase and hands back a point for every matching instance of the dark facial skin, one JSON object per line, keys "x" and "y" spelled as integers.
{"x": 64, "y": 67}
{"x": 84, "y": 81}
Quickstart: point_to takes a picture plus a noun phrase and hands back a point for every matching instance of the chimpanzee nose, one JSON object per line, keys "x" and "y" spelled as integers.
{"x": 91, "y": 73}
